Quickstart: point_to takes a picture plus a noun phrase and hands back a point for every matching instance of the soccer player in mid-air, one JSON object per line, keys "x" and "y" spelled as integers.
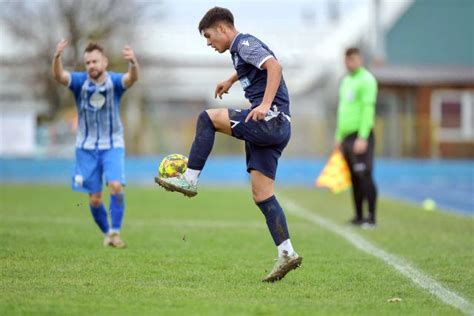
{"x": 99, "y": 143}
{"x": 265, "y": 127}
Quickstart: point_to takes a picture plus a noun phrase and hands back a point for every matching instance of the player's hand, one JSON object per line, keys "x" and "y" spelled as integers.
{"x": 60, "y": 47}
{"x": 360, "y": 146}
{"x": 258, "y": 113}
{"x": 129, "y": 55}
{"x": 221, "y": 88}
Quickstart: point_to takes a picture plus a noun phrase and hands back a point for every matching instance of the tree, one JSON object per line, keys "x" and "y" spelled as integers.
{"x": 37, "y": 26}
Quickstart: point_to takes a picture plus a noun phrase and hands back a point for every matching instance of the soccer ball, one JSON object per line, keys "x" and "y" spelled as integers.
{"x": 173, "y": 165}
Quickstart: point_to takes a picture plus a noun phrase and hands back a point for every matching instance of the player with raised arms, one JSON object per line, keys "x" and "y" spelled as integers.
{"x": 100, "y": 143}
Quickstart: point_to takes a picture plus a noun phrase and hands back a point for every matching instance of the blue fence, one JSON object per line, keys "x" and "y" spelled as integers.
{"x": 449, "y": 183}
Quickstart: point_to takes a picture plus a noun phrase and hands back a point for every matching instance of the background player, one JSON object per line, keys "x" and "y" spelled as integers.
{"x": 100, "y": 143}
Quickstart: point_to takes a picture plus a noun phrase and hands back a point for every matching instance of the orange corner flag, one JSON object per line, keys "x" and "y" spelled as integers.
{"x": 335, "y": 175}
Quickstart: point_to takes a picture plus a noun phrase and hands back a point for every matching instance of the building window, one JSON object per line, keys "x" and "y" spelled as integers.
{"x": 452, "y": 115}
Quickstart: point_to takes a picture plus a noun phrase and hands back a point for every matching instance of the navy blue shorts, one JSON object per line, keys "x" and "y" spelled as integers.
{"x": 264, "y": 140}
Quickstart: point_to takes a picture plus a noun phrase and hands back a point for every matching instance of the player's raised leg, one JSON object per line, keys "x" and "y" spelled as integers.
{"x": 208, "y": 123}
{"x": 264, "y": 197}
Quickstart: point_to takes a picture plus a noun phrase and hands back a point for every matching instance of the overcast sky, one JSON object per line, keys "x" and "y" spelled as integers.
{"x": 287, "y": 26}
{"x": 174, "y": 29}
{"x": 258, "y": 11}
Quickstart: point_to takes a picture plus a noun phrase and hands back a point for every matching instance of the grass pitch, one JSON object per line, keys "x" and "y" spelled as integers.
{"x": 207, "y": 255}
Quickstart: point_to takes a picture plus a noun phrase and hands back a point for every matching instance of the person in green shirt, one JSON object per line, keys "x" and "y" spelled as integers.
{"x": 354, "y": 133}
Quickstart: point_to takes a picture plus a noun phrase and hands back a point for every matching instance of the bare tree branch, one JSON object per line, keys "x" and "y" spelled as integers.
{"x": 39, "y": 25}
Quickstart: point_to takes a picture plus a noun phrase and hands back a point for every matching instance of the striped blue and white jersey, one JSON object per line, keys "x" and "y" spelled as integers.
{"x": 98, "y": 107}
{"x": 248, "y": 55}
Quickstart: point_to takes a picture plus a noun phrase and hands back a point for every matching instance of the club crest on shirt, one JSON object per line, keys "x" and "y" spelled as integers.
{"x": 97, "y": 100}
{"x": 350, "y": 95}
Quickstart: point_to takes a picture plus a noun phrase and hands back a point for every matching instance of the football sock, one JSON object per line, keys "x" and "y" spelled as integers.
{"x": 203, "y": 142}
{"x": 276, "y": 220}
{"x": 100, "y": 217}
{"x": 117, "y": 208}
{"x": 285, "y": 246}
{"x": 192, "y": 176}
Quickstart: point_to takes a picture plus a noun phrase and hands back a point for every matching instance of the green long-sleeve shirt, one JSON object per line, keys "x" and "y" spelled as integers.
{"x": 356, "y": 110}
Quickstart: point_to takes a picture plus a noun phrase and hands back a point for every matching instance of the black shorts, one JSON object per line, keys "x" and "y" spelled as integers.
{"x": 264, "y": 140}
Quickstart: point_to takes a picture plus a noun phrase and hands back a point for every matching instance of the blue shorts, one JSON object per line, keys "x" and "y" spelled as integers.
{"x": 264, "y": 140}
{"x": 93, "y": 165}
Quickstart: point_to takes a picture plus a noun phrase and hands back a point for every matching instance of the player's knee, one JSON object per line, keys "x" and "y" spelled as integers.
{"x": 95, "y": 199}
{"x": 216, "y": 117}
{"x": 359, "y": 175}
{"x": 205, "y": 118}
{"x": 211, "y": 113}
{"x": 115, "y": 187}
{"x": 260, "y": 194}
{"x": 205, "y": 122}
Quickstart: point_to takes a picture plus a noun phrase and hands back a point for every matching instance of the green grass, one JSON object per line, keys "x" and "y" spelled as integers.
{"x": 206, "y": 256}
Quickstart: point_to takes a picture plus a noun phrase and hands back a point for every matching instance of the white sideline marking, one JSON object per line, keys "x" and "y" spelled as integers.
{"x": 444, "y": 294}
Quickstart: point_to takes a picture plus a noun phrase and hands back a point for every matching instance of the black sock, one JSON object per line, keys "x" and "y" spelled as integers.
{"x": 203, "y": 142}
{"x": 276, "y": 220}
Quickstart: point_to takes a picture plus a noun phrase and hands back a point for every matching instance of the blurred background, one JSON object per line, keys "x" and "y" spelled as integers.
{"x": 420, "y": 51}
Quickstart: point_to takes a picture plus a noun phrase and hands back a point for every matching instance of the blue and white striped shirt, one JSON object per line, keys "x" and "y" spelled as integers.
{"x": 98, "y": 106}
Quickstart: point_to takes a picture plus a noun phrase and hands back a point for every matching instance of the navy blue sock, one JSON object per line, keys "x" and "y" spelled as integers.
{"x": 203, "y": 142}
{"x": 276, "y": 220}
{"x": 100, "y": 216}
{"x": 117, "y": 208}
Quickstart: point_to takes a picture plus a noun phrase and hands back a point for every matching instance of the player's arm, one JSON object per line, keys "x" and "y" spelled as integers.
{"x": 133, "y": 69}
{"x": 224, "y": 86}
{"x": 273, "y": 68}
{"x": 59, "y": 74}
{"x": 368, "y": 99}
{"x": 338, "y": 133}
{"x": 368, "y": 94}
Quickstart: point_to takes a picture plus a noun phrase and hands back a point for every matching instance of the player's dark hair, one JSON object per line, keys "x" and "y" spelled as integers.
{"x": 94, "y": 46}
{"x": 214, "y": 15}
{"x": 352, "y": 51}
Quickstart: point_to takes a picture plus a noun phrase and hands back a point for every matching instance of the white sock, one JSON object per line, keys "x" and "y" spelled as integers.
{"x": 192, "y": 176}
{"x": 285, "y": 246}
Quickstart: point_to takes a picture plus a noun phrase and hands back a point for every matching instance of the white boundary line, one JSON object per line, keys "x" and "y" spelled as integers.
{"x": 444, "y": 294}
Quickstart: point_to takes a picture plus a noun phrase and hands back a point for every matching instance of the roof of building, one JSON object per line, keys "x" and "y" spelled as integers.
{"x": 423, "y": 75}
